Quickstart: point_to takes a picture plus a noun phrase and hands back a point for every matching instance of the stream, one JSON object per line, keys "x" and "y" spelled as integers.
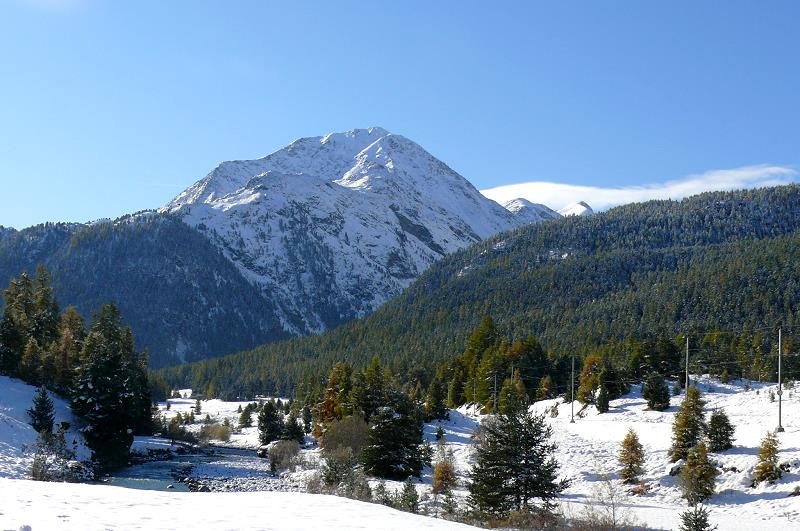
{"x": 217, "y": 468}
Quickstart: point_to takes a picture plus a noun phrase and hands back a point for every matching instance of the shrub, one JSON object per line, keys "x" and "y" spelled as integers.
{"x": 281, "y": 454}
{"x": 350, "y": 432}
{"x": 215, "y": 432}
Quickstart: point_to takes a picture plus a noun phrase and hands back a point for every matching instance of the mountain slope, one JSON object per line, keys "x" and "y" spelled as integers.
{"x": 331, "y": 227}
{"x": 183, "y": 299}
{"x": 719, "y": 260}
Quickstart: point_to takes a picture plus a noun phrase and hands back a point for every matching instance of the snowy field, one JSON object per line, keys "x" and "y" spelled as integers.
{"x": 48, "y": 506}
{"x": 587, "y": 452}
{"x": 588, "y": 449}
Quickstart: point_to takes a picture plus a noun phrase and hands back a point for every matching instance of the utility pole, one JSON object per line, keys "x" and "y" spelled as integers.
{"x": 780, "y": 383}
{"x": 687, "y": 363}
{"x": 494, "y": 400}
{"x": 572, "y": 391}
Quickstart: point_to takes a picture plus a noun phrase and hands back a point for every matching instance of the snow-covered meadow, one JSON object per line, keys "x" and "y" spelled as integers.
{"x": 587, "y": 453}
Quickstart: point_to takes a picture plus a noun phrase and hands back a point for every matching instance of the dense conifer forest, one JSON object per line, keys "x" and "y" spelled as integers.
{"x": 634, "y": 281}
{"x": 181, "y": 296}
{"x": 96, "y": 368}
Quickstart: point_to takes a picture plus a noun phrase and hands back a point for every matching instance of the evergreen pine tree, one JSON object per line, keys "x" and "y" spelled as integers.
{"x": 246, "y": 417}
{"x": 106, "y": 391}
{"x": 720, "y": 432}
{"x": 197, "y": 407}
{"x": 589, "y": 379}
{"x": 31, "y": 364}
{"x": 602, "y": 395}
{"x": 631, "y": 457}
{"x": 42, "y": 414}
{"x": 767, "y": 468}
{"x": 292, "y": 430}
{"x": 545, "y": 388}
{"x": 514, "y": 464}
{"x": 409, "y": 499}
{"x": 656, "y": 392}
{"x": 270, "y": 425}
{"x": 695, "y": 519}
{"x": 512, "y": 394}
{"x": 435, "y": 399}
{"x": 394, "y": 441}
{"x": 307, "y": 419}
{"x": 689, "y": 425}
{"x": 10, "y": 344}
{"x": 697, "y": 475}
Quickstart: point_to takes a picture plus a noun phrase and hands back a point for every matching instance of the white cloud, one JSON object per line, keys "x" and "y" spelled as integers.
{"x": 558, "y": 195}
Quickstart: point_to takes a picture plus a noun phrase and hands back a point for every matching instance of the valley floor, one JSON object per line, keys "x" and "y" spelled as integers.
{"x": 587, "y": 453}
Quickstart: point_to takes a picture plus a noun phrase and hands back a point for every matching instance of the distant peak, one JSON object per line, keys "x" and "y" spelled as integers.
{"x": 581, "y": 208}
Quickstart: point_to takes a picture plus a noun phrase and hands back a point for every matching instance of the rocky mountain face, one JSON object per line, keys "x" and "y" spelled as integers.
{"x": 330, "y": 227}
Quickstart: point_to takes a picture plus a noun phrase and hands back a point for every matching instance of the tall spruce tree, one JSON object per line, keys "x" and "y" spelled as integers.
{"x": 697, "y": 475}
{"x": 631, "y": 457}
{"x": 720, "y": 432}
{"x": 394, "y": 441}
{"x": 270, "y": 425}
{"x": 292, "y": 430}
{"x": 514, "y": 464}
{"x": 656, "y": 392}
{"x": 42, "y": 414}
{"x": 767, "y": 468}
{"x": 435, "y": 398}
{"x": 106, "y": 393}
{"x": 689, "y": 425}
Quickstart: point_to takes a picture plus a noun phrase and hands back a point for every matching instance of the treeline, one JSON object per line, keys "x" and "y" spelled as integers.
{"x": 655, "y": 271}
{"x": 97, "y": 368}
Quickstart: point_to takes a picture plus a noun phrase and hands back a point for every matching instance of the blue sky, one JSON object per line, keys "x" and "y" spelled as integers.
{"x": 112, "y": 107}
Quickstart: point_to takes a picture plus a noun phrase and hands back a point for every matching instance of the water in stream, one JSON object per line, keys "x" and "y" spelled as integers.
{"x": 219, "y": 464}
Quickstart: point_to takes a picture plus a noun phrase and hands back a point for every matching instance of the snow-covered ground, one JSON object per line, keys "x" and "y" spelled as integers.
{"x": 45, "y": 506}
{"x": 16, "y": 433}
{"x": 218, "y": 411}
{"x": 587, "y": 452}
{"x": 588, "y": 449}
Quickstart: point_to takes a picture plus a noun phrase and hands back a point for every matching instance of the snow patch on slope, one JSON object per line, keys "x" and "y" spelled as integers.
{"x": 16, "y": 433}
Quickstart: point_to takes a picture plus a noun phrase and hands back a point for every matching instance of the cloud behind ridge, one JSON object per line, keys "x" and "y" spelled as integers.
{"x": 559, "y": 195}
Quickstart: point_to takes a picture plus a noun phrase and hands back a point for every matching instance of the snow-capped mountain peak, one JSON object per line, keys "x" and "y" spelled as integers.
{"x": 528, "y": 212}
{"x": 332, "y": 226}
{"x": 580, "y": 208}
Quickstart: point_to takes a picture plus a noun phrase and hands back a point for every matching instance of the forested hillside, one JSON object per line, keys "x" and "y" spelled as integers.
{"x": 718, "y": 261}
{"x": 183, "y": 299}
